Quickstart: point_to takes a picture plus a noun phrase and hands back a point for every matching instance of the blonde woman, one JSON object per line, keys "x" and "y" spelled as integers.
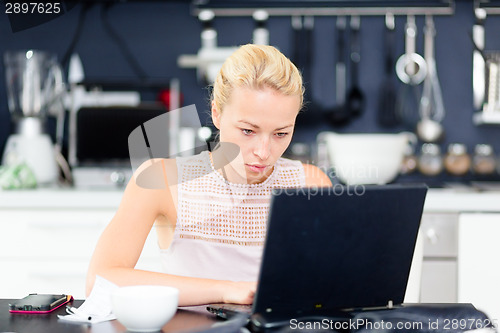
{"x": 211, "y": 223}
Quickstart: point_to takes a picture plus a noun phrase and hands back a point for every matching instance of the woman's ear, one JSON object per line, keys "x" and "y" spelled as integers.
{"x": 215, "y": 116}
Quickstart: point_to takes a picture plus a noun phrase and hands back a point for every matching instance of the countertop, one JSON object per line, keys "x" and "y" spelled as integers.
{"x": 438, "y": 200}
{"x": 463, "y": 200}
{"x": 61, "y": 198}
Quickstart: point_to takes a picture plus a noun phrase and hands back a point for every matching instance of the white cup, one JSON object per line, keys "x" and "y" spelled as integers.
{"x": 144, "y": 308}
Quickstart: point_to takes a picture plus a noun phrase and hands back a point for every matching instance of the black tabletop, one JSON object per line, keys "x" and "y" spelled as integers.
{"x": 197, "y": 319}
{"x": 185, "y": 320}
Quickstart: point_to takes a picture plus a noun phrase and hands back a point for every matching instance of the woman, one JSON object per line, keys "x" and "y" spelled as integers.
{"x": 211, "y": 223}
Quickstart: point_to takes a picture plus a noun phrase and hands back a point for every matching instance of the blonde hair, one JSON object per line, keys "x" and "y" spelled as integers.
{"x": 257, "y": 67}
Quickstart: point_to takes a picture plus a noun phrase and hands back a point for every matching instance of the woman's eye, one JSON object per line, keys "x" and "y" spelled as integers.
{"x": 246, "y": 131}
{"x": 281, "y": 135}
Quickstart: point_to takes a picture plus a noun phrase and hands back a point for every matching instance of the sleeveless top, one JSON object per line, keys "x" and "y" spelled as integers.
{"x": 221, "y": 226}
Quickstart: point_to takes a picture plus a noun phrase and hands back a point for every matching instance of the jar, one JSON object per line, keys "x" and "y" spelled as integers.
{"x": 430, "y": 162}
{"x": 457, "y": 161}
{"x": 483, "y": 162}
{"x": 410, "y": 161}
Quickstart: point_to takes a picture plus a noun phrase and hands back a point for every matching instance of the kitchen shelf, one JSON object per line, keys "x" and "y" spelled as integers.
{"x": 487, "y": 118}
{"x": 325, "y": 8}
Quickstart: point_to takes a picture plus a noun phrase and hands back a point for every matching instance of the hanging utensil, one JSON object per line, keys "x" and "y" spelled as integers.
{"x": 297, "y": 54}
{"x": 411, "y": 69}
{"x": 260, "y": 32}
{"x": 431, "y": 107}
{"x": 340, "y": 114}
{"x": 303, "y": 28}
{"x": 387, "y": 115}
{"x": 355, "y": 98}
{"x": 478, "y": 61}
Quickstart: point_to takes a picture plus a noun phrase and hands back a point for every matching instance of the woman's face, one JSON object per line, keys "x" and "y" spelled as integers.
{"x": 261, "y": 123}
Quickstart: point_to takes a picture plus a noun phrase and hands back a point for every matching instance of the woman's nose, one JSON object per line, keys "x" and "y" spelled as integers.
{"x": 263, "y": 148}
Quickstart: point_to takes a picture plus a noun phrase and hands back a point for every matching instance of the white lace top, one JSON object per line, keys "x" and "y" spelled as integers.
{"x": 221, "y": 226}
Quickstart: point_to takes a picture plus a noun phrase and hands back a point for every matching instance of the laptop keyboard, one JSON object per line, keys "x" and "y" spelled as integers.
{"x": 229, "y": 310}
{"x": 243, "y": 308}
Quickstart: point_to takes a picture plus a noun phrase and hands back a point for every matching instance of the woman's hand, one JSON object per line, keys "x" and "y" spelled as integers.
{"x": 239, "y": 292}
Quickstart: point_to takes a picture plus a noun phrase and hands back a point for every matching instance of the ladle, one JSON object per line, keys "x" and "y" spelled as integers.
{"x": 355, "y": 97}
{"x": 340, "y": 114}
{"x": 387, "y": 115}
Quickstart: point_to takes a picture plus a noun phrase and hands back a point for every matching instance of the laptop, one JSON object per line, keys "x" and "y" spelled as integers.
{"x": 332, "y": 251}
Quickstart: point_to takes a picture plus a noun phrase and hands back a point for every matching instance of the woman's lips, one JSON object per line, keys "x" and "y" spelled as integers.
{"x": 256, "y": 167}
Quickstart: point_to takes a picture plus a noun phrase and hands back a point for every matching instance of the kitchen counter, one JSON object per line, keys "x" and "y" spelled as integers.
{"x": 438, "y": 200}
{"x": 61, "y": 198}
{"x": 461, "y": 200}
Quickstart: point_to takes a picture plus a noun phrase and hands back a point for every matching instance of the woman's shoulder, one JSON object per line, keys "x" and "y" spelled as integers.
{"x": 161, "y": 172}
{"x": 315, "y": 176}
{"x": 156, "y": 173}
{"x": 284, "y": 162}
{"x": 150, "y": 188}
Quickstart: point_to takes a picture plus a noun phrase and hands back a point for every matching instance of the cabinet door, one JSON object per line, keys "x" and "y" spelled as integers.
{"x": 48, "y": 276}
{"x": 479, "y": 262}
{"x": 439, "y": 271}
{"x": 48, "y": 251}
{"x": 440, "y": 232}
{"x": 439, "y": 281}
{"x": 41, "y": 234}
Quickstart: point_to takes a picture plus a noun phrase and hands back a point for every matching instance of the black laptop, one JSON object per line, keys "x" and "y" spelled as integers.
{"x": 331, "y": 251}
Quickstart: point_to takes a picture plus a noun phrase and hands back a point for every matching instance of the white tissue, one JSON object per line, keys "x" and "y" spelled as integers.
{"x": 97, "y": 307}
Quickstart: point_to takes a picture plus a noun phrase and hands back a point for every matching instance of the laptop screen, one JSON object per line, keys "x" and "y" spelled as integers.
{"x": 338, "y": 248}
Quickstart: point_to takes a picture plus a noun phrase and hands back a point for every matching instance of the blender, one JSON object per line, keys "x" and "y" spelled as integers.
{"x": 35, "y": 90}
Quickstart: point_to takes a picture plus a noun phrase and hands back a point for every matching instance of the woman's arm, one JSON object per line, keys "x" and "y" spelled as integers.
{"x": 121, "y": 244}
{"x": 316, "y": 177}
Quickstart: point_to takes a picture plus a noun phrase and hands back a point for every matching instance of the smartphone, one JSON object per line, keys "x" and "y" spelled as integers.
{"x": 39, "y": 303}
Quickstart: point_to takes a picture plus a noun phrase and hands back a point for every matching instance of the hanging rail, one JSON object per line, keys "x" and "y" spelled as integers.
{"x": 490, "y": 7}
{"x": 332, "y": 8}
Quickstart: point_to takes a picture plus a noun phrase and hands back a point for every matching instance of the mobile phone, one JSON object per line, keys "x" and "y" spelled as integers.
{"x": 39, "y": 303}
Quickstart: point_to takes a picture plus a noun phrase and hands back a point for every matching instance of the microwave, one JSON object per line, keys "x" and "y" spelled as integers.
{"x": 98, "y": 142}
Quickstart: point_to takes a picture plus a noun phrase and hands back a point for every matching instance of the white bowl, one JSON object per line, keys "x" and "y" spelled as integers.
{"x": 144, "y": 308}
{"x": 367, "y": 158}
